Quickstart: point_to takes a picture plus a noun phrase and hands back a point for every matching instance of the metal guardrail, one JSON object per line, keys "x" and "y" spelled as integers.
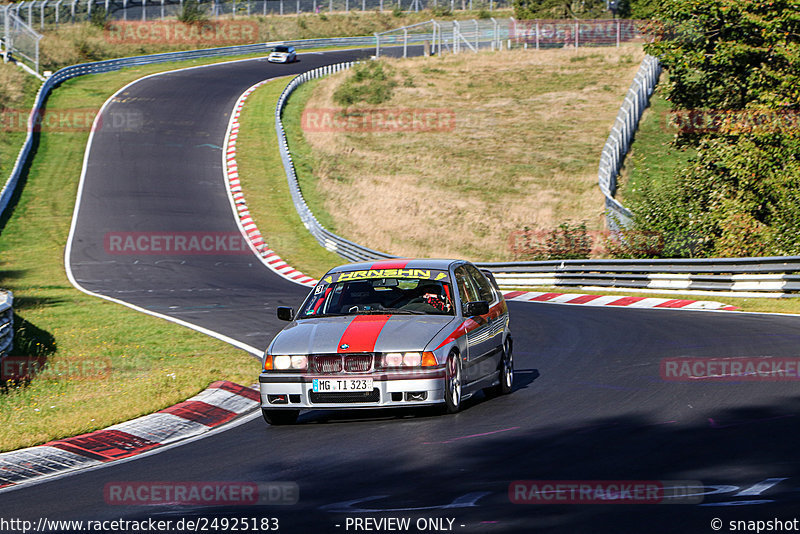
{"x": 332, "y": 242}
{"x": 116, "y": 64}
{"x": 779, "y": 274}
{"x": 6, "y": 323}
{"x": 621, "y": 137}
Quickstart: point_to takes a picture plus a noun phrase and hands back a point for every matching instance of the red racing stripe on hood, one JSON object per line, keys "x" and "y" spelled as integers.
{"x": 390, "y": 264}
{"x": 362, "y": 333}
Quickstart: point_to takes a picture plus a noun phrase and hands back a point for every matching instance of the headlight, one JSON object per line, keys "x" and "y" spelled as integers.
{"x": 286, "y": 363}
{"x": 408, "y": 359}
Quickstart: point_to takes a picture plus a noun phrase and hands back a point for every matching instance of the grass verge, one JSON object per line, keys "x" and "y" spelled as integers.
{"x": 521, "y": 156}
{"x": 147, "y": 363}
{"x": 653, "y": 161}
{"x": 266, "y": 190}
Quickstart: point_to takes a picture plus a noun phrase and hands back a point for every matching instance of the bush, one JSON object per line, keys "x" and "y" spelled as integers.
{"x": 371, "y": 83}
{"x": 738, "y": 195}
{"x": 564, "y": 242}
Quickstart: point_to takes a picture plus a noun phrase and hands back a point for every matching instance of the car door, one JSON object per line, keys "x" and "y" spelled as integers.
{"x": 479, "y": 330}
{"x": 496, "y": 319}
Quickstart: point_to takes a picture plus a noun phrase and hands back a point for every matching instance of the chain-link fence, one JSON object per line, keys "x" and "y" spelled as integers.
{"x": 619, "y": 140}
{"x": 457, "y": 36}
{"x": 448, "y": 36}
{"x": 42, "y": 13}
{"x": 20, "y": 41}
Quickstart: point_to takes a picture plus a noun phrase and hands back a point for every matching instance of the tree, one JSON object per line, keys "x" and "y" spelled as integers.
{"x": 736, "y": 65}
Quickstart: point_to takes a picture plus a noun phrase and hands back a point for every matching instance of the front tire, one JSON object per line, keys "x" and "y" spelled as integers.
{"x": 452, "y": 384}
{"x": 280, "y": 417}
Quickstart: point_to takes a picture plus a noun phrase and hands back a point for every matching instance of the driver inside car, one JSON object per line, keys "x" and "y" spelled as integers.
{"x": 431, "y": 294}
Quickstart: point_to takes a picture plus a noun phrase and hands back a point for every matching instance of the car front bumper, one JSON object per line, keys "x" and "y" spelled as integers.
{"x": 278, "y": 59}
{"x": 282, "y": 391}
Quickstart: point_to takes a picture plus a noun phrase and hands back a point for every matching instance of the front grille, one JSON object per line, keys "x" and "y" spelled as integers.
{"x": 358, "y": 363}
{"x": 345, "y": 397}
{"x": 348, "y": 363}
{"x": 328, "y": 364}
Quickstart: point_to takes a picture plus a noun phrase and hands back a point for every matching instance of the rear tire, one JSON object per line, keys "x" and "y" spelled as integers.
{"x": 452, "y": 384}
{"x": 280, "y": 417}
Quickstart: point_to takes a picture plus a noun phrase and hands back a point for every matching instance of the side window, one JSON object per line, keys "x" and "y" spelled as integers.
{"x": 466, "y": 290}
{"x": 484, "y": 286}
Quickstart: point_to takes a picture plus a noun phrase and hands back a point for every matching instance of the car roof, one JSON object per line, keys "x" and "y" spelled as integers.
{"x": 398, "y": 263}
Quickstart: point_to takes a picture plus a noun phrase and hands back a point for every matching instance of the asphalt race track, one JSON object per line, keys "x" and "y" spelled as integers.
{"x": 589, "y": 402}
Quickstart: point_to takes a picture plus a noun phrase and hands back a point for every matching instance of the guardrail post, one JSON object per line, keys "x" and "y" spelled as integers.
{"x": 377, "y": 44}
{"x": 477, "y": 31}
{"x": 405, "y": 42}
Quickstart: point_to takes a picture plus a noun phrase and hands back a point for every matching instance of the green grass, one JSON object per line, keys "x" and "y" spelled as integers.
{"x": 15, "y": 106}
{"x": 304, "y": 160}
{"x": 154, "y": 363}
{"x": 264, "y": 182}
{"x": 652, "y": 161}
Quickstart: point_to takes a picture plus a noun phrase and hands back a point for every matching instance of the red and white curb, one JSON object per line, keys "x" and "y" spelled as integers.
{"x": 616, "y": 300}
{"x": 221, "y": 402}
{"x": 242, "y": 213}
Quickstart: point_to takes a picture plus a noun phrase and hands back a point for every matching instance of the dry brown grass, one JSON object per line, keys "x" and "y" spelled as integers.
{"x": 529, "y": 129}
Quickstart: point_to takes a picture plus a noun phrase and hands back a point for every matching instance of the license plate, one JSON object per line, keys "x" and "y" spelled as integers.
{"x": 331, "y": 385}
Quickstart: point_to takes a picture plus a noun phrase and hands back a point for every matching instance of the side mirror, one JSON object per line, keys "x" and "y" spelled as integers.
{"x": 285, "y": 313}
{"x": 479, "y": 307}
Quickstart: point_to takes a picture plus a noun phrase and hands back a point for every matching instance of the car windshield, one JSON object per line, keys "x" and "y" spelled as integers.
{"x": 281, "y": 49}
{"x": 400, "y": 295}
